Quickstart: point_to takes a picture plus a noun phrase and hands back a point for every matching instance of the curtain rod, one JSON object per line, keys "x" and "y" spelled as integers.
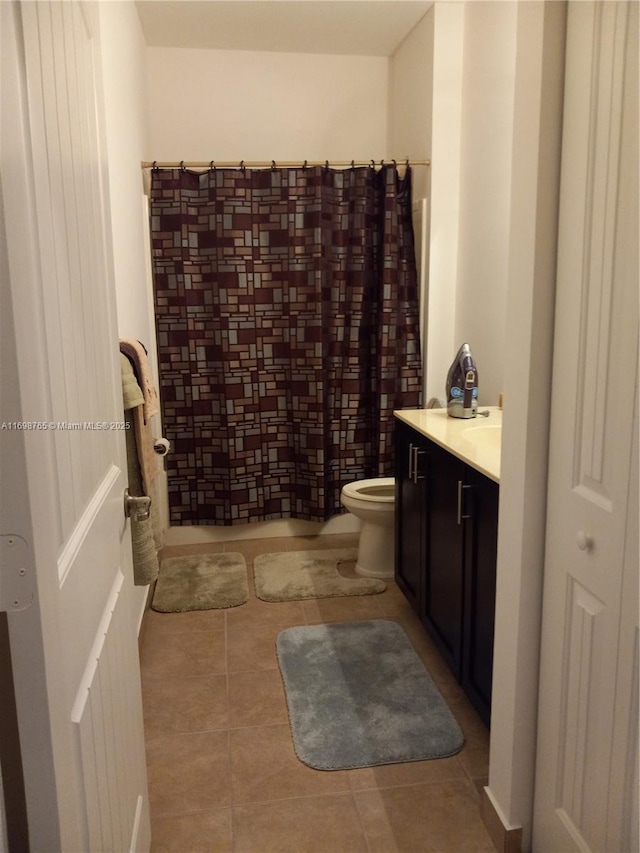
{"x": 255, "y": 164}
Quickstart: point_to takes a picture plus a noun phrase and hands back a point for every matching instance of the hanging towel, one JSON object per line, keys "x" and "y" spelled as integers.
{"x": 133, "y": 399}
{"x": 136, "y": 352}
{"x": 150, "y": 465}
{"x": 146, "y": 536}
{"x": 145, "y": 557}
{"x": 131, "y": 394}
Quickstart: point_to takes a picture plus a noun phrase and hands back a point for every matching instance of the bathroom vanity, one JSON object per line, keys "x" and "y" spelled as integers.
{"x": 447, "y": 493}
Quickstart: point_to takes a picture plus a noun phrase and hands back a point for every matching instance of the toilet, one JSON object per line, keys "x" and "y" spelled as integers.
{"x": 373, "y": 502}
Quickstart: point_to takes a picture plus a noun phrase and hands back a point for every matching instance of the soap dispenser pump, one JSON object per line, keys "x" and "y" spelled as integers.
{"x": 462, "y": 385}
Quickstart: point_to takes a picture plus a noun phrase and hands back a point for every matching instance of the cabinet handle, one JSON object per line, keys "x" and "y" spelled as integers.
{"x": 414, "y": 454}
{"x": 418, "y": 451}
{"x": 461, "y": 488}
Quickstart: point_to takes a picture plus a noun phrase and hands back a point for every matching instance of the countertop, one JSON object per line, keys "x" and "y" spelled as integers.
{"x": 480, "y": 450}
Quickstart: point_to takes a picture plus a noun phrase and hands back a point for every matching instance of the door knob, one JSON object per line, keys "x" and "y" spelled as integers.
{"x": 136, "y": 508}
{"x": 585, "y": 543}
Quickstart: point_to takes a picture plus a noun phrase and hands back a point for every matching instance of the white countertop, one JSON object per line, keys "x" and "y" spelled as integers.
{"x": 475, "y": 441}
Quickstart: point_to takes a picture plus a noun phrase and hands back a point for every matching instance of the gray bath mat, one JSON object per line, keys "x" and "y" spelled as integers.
{"x": 359, "y": 695}
{"x": 201, "y": 582}
{"x": 294, "y": 575}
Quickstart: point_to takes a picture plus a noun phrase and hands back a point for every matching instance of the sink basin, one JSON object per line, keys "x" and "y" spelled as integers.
{"x": 487, "y": 435}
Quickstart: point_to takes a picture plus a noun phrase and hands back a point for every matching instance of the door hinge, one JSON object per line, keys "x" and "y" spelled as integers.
{"x": 17, "y": 576}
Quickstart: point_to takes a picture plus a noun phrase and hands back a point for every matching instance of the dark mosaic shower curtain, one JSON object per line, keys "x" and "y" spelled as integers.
{"x": 287, "y": 316}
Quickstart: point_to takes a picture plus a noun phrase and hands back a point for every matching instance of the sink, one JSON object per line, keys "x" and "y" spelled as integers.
{"x": 487, "y": 435}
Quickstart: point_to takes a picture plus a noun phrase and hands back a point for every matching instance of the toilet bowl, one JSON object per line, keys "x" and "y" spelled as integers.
{"x": 373, "y": 502}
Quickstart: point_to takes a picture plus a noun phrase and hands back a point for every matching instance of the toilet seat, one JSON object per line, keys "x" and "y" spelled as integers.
{"x": 378, "y": 490}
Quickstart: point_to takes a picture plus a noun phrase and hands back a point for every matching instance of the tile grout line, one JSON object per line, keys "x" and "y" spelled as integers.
{"x": 229, "y": 767}
{"x": 361, "y": 824}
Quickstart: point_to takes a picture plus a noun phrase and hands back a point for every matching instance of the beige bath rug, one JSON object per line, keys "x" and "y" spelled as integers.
{"x": 294, "y": 575}
{"x": 201, "y": 582}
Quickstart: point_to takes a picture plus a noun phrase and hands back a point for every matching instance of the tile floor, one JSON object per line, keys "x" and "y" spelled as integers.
{"x": 223, "y": 775}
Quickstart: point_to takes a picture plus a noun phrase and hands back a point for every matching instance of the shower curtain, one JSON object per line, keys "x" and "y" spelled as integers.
{"x": 286, "y": 308}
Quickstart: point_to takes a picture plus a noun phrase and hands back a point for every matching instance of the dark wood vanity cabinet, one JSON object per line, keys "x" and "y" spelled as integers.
{"x": 411, "y": 514}
{"x": 443, "y": 568}
{"x": 480, "y": 506}
{"x": 446, "y": 547}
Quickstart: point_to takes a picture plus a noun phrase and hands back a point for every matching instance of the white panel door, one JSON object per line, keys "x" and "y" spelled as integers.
{"x": 75, "y": 650}
{"x": 586, "y": 773}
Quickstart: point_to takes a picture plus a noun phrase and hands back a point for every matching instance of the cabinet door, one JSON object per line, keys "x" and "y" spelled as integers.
{"x": 410, "y": 514}
{"x": 443, "y": 595}
{"x": 481, "y": 545}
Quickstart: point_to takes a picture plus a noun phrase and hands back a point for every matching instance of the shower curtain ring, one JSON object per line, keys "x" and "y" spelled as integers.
{"x": 242, "y": 166}
{"x": 304, "y": 165}
{"x": 326, "y": 164}
{"x": 373, "y": 164}
{"x": 182, "y": 168}
{"x": 273, "y": 165}
{"x": 155, "y": 166}
{"x": 212, "y": 165}
{"x": 353, "y": 164}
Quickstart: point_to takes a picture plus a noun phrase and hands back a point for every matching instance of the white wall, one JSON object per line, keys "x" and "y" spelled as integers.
{"x": 446, "y": 131}
{"x": 528, "y": 346}
{"x": 233, "y": 105}
{"x": 451, "y": 94}
{"x": 124, "y": 74}
{"x": 485, "y": 188}
{"x": 123, "y": 54}
{"x": 411, "y": 83}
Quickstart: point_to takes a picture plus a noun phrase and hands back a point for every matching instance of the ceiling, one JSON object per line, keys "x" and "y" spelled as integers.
{"x": 351, "y": 27}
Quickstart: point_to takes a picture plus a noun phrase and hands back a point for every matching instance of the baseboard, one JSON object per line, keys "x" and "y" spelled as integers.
{"x": 506, "y": 839}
